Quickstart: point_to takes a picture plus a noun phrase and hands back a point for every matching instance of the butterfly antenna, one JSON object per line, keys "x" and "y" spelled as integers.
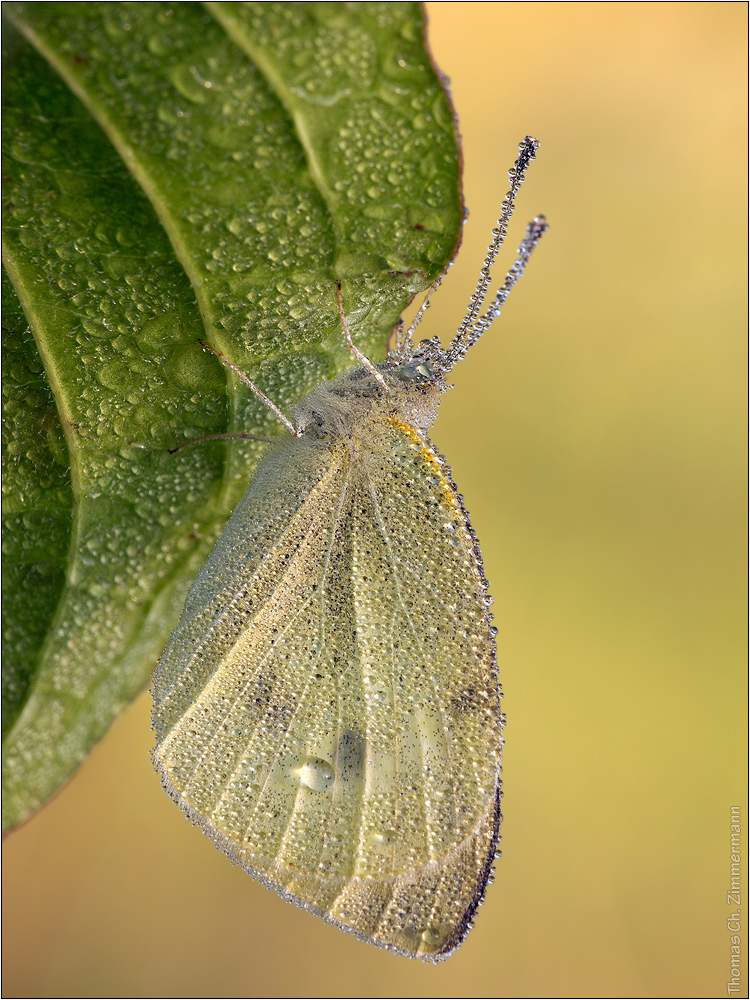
{"x": 473, "y": 324}
{"x": 534, "y": 232}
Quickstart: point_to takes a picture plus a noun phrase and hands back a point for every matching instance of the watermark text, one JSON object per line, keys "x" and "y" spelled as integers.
{"x": 734, "y": 900}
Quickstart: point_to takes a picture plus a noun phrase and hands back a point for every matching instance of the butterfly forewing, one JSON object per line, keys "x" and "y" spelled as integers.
{"x": 328, "y": 707}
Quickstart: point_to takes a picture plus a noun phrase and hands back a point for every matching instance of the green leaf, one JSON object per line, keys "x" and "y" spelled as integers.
{"x": 176, "y": 172}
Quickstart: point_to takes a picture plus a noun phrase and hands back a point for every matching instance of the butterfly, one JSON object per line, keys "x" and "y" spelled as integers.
{"x": 328, "y": 708}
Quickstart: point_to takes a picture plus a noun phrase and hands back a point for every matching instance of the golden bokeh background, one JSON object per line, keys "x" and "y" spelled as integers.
{"x": 598, "y": 436}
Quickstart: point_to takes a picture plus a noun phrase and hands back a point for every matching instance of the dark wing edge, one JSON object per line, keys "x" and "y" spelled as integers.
{"x": 486, "y": 877}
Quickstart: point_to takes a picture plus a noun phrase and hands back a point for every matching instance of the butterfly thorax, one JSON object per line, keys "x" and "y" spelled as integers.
{"x": 411, "y": 394}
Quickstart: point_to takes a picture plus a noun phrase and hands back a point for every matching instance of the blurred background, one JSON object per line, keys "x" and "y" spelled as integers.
{"x": 598, "y": 436}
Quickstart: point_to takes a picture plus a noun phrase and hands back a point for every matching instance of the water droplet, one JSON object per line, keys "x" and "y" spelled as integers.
{"x": 316, "y": 774}
{"x": 431, "y": 936}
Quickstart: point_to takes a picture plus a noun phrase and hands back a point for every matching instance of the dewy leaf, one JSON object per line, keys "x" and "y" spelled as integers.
{"x": 115, "y": 325}
{"x": 37, "y": 506}
{"x": 176, "y": 172}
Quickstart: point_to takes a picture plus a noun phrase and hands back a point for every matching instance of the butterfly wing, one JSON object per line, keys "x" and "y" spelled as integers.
{"x": 328, "y": 708}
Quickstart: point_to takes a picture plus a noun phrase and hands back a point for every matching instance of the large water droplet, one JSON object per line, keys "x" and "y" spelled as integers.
{"x": 316, "y": 774}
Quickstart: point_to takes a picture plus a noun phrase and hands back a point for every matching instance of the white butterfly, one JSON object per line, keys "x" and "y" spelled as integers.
{"x": 328, "y": 708}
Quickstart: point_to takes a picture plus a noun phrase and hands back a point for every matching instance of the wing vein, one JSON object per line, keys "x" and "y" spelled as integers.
{"x": 397, "y": 582}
